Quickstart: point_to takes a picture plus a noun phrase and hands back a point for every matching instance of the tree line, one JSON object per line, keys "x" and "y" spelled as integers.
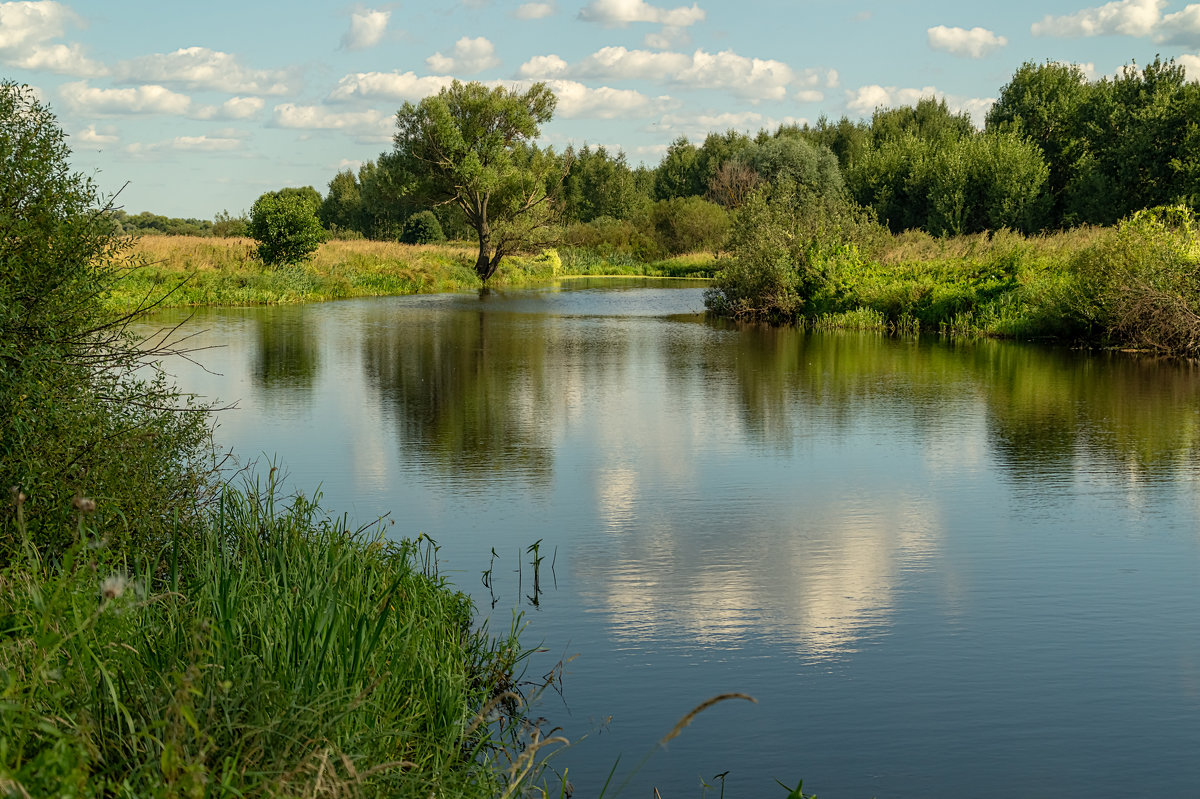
{"x": 1057, "y": 150}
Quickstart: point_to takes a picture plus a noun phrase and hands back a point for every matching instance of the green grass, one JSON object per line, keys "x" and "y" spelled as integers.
{"x": 277, "y": 654}
{"x": 182, "y": 271}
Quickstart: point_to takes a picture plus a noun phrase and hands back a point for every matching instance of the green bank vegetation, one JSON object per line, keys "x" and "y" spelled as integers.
{"x": 913, "y": 219}
{"x": 164, "y": 633}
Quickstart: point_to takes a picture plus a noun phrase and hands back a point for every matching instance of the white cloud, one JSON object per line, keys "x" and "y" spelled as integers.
{"x": 26, "y": 33}
{"x": 866, "y": 99}
{"x": 366, "y": 29}
{"x": 534, "y": 11}
{"x": 810, "y": 95}
{"x": 1191, "y": 63}
{"x": 1127, "y": 17}
{"x": 233, "y": 108}
{"x": 752, "y": 78}
{"x": 619, "y": 13}
{"x": 813, "y": 77}
{"x": 193, "y": 144}
{"x": 543, "y": 66}
{"x": 201, "y": 68}
{"x": 1182, "y": 27}
{"x": 621, "y": 64}
{"x": 369, "y": 125}
{"x": 90, "y": 135}
{"x": 470, "y": 55}
{"x": 973, "y": 43}
{"x": 576, "y": 100}
{"x": 84, "y": 99}
{"x": 389, "y": 86}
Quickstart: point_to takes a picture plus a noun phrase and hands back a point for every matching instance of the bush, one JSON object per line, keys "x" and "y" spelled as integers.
{"x": 422, "y": 228}
{"x": 82, "y": 410}
{"x": 1142, "y": 286}
{"x": 286, "y": 227}
{"x": 784, "y": 248}
{"x": 689, "y": 224}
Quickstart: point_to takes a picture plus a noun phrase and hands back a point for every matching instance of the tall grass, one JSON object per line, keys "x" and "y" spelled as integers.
{"x": 193, "y": 271}
{"x": 282, "y": 654}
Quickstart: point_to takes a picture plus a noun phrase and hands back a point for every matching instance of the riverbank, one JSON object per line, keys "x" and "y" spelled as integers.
{"x": 273, "y": 653}
{"x": 182, "y": 271}
{"x": 1133, "y": 285}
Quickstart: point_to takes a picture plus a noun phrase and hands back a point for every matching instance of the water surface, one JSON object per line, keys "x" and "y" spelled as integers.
{"x": 943, "y": 569}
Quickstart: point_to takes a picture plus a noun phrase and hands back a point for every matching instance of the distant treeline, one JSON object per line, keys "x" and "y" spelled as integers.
{"x": 1057, "y": 151}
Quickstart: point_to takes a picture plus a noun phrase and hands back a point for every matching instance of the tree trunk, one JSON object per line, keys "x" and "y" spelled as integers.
{"x": 483, "y": 264}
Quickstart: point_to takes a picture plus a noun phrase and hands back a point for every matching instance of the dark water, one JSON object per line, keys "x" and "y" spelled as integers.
{"x": 942, "y": 569}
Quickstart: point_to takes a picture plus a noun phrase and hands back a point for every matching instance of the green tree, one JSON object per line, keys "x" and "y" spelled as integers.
{"x": 811, "y": 169}
{"x": 677, "y": 174}
{"x": 598, "y": 184}
{"x": 285, "y": 225}
{"x": 689, "y": 224}
{"x": 473, "y": 147}
{"x": 83, "y": 410}
{"x": 1141, "y": 145}
{"x": 422, "y": 228}
{"x": 226, "y": 225}
{"x": 930, "y": 120}
{"x": 342, "y": 208}
{"x": 1045, "y": 103}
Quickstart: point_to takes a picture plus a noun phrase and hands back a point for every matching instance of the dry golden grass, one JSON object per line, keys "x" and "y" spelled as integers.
{"x": 187, "y": 253}
{"x": 919, "y": 246}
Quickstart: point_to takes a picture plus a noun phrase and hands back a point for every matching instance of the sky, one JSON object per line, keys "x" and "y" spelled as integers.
{"x": 190, "y": 109}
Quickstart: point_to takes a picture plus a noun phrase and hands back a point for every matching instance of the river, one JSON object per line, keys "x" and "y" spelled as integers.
{"x": 941, "y": 568}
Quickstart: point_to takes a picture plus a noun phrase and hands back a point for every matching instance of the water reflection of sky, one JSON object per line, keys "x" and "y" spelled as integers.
{"x": 942, "y": 569}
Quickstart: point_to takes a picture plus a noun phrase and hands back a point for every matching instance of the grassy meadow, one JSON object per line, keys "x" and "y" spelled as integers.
{"x": 194, "y": 271}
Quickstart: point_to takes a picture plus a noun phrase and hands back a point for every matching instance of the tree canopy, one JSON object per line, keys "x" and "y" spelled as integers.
{"x": 473, "y": 147}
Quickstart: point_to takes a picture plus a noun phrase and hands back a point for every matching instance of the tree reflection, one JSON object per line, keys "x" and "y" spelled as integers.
{"x": 287, "y": 354}
{"x": 1045, "y": 407}
{"x": 469, "y": 391}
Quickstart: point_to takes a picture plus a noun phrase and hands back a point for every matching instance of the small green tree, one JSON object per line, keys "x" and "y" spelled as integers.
{"x": 285, "y": 225}
{"x": 83, "y": 410}
{"x": 473, "y": 147}
{"x": 422, "y": 228}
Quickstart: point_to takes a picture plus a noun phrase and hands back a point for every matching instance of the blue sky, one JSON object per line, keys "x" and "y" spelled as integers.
{"x": 200, "y": 107}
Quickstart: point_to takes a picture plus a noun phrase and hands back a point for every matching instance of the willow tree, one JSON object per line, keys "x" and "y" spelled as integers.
{"x": 473, "y": 147}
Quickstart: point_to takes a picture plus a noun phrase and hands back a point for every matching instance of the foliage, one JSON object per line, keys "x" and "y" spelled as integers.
{"x": 779, "y": 242}
{"x": 342, "y": 208}
{"x": 279, "y": 654}
{"x": 811, "y": 169}
{"x": 1043, "y": 102}
{"x": 285, "y": 225}
{"x": 1142, "y": 286}
{"x": 228, "y": 226}
{"x": 929, "y": 120}
{"x": 599, "y": 185}
{"x": 146, "y": 222}
{"x": 472, "y": 147}
{"x": 422, "y": 228}
{"x": 1113, "y": 146}
{"x": 677, "y": 174}
{"x": 83, "y": 410}
{"x": 688, "y": 224}
{"x": 953, "y": 185}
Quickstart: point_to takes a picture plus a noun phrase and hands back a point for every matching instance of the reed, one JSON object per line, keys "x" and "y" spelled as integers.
{"x": 278, "y": 653}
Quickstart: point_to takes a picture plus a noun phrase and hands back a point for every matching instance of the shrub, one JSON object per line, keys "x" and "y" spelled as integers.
{"x": 82, "y": 410}
{"x": 286, "y": 227}
{"x": 422, "y": 228}
{"x": 1143, "y": 284}
{"x": 689, "y": 224}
